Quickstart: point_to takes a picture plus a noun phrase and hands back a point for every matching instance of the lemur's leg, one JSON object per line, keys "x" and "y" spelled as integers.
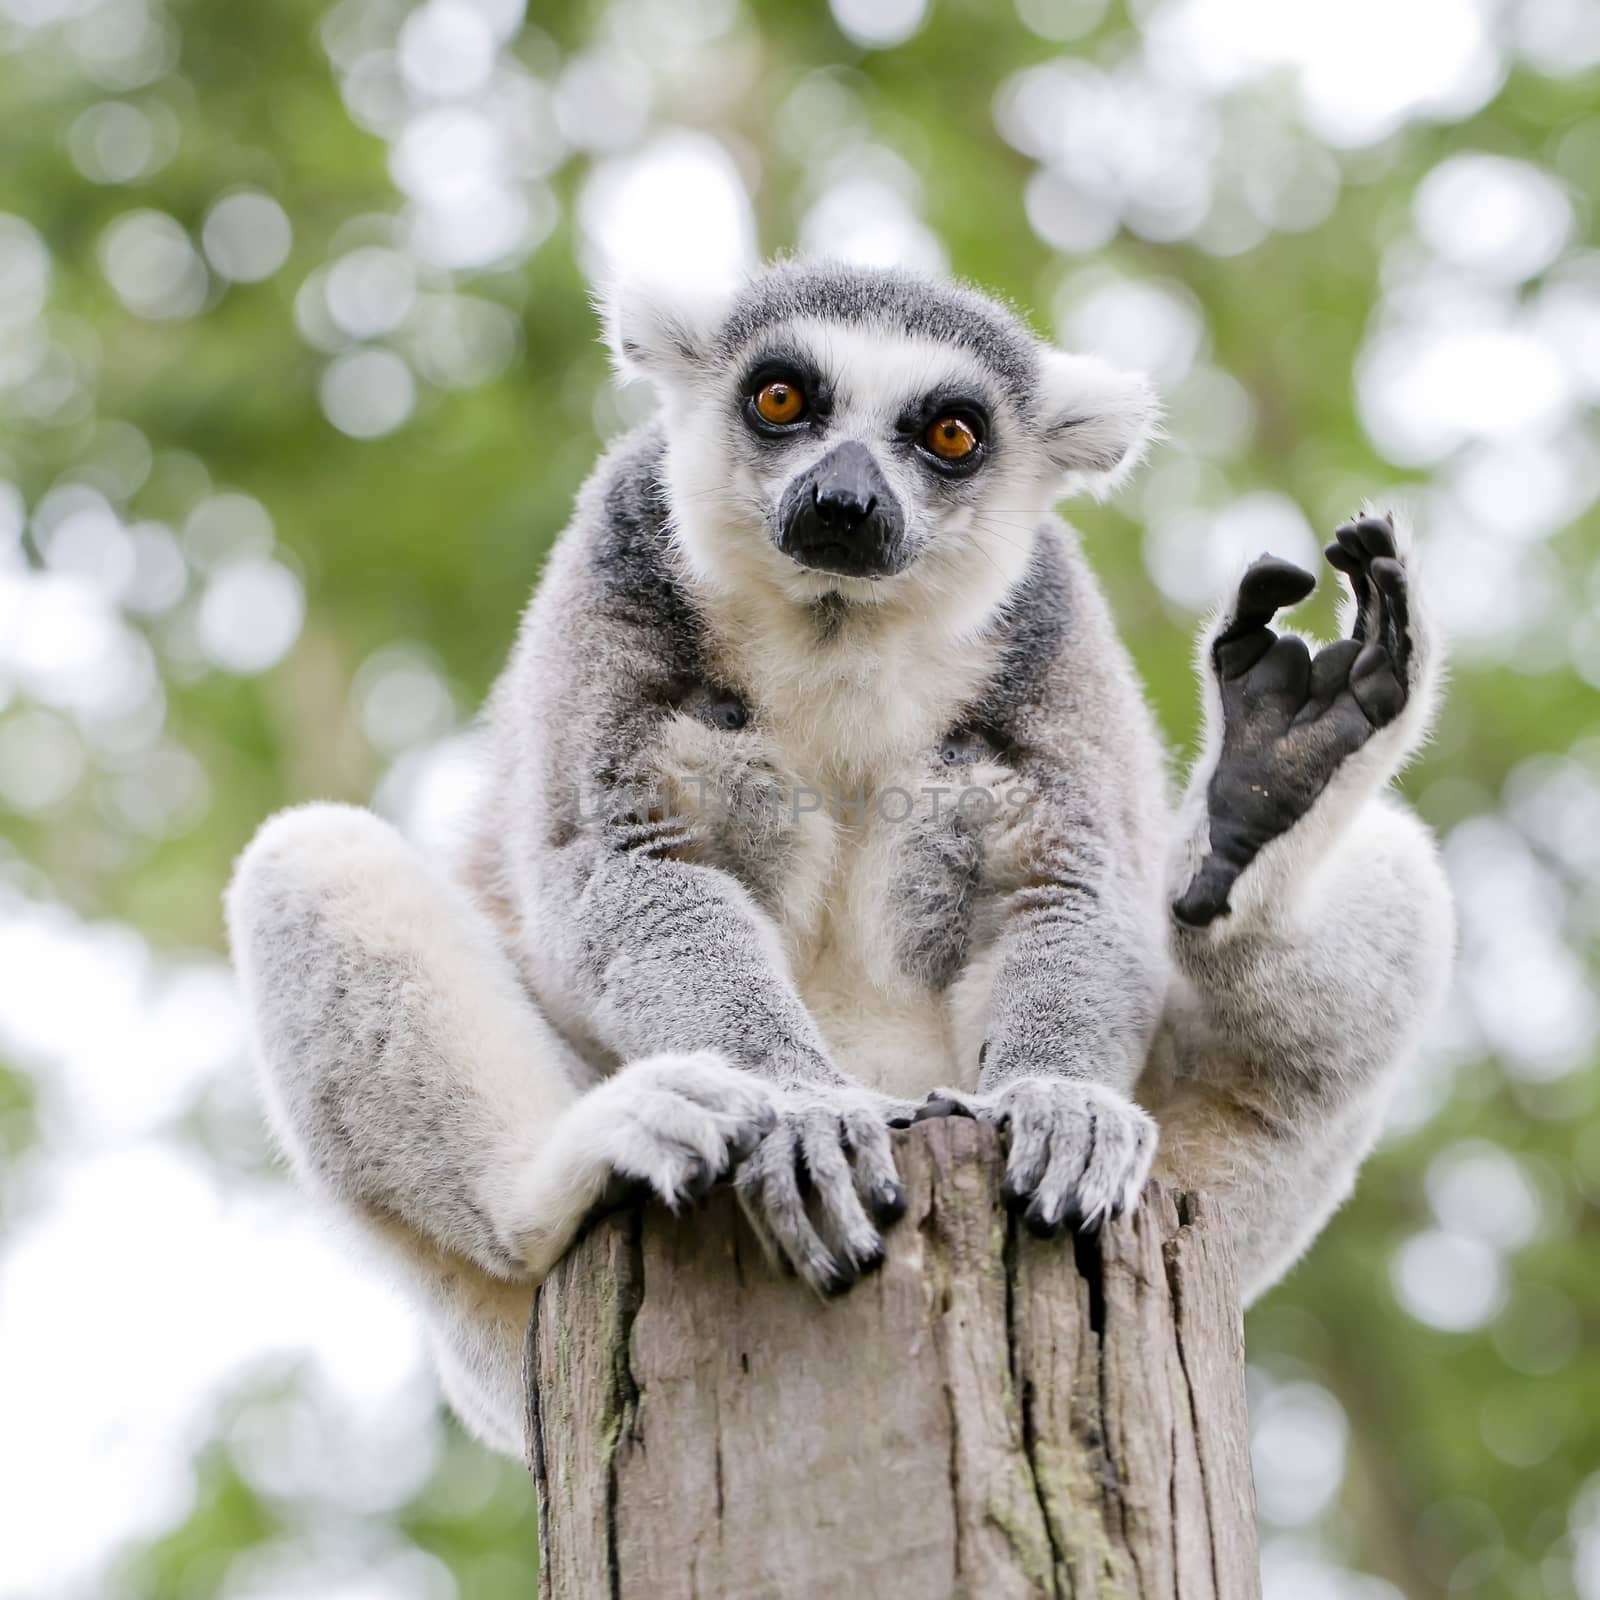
{"x": 414, "y": 1085}
{"x": 1270, "y": 1083}
{"x": 1312, "y": 928}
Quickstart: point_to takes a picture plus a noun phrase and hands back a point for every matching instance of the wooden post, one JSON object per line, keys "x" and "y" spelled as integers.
{"x": 990, "y": 1415}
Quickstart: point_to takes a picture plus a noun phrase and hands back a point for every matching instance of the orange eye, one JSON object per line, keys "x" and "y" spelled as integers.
{"x": 780, "y": 402}
{"x": 951, "y": 438}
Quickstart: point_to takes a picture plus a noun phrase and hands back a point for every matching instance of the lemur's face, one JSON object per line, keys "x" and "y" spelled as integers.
{"x": 858, "y": 451}
{"x": 867, "y": 434}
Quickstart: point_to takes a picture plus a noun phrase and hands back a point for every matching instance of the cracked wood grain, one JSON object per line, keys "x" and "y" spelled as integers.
{"x": 990, "y": 1415}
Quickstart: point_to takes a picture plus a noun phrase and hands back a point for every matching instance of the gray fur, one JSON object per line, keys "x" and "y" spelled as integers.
{"x": 903, "y": 301}
{"x": 1032, "y": 629}
{"x": 935, "y": 892}
{"x": 697, "y": 936}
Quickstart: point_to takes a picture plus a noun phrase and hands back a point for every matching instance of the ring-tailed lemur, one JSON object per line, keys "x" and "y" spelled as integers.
{"x": 820, "y": 780}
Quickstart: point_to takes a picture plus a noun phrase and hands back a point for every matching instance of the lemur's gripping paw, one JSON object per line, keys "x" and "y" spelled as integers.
{"x": 1078, "y": 1153}
{"x": 1290, "y": 718}
{"x": 822, "y": 1183}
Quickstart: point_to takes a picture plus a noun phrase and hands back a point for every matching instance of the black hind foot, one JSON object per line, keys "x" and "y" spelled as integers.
{"x": 1290, "y": 718}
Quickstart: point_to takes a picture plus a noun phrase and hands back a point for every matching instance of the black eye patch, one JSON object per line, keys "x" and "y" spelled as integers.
{"x": 782, "y": 364}
{"x": 949, "y": 432}
{"x": 915, "y": 416}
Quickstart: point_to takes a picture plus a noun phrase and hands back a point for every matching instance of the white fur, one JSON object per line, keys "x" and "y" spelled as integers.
{"x": 1100, "y": 421}
{"x": 659, "y": 330}
{"x": 430, "y": 1061}
{"x": 847, "y": 720}
{"x": 1242, "y": 1134}
{"x": 539, "y": 1153}
{"x": 974, "y": 560}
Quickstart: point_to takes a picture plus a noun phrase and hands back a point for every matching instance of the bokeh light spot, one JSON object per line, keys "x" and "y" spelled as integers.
{"x": 250, "y": 615}
{"x": 148, "y": 260}
{"x": 1448, "y": 1280}
{"x": 246, "y": 236}
{"x": 878, "y": 24}
{"x": 1504, "y": 219}
{"x": 368, "y": 393}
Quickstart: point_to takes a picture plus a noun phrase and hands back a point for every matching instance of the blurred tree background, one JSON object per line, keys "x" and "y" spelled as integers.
{"x": 298, "y": 378}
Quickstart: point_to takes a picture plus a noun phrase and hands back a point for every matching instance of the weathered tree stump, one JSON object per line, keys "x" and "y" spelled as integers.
{"x": 990, "y": 1415}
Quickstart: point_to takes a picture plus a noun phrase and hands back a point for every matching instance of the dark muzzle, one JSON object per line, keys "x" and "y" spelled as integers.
{"x": 841, "y": 516}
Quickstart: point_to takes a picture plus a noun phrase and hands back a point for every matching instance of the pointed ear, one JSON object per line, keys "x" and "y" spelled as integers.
{"x": 658, "y": 330}
{"x": 1098, "y": 421}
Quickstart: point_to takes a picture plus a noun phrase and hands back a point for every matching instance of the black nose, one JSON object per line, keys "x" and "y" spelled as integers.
{"x": 841, "y": 516}
{"x": 842, "y": 505}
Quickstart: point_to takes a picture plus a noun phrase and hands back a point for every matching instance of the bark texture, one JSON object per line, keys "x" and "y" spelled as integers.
{"x": 990, "y": 1415}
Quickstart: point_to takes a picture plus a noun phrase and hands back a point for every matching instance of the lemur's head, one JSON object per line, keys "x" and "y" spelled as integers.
{"x": 838, "y": 429}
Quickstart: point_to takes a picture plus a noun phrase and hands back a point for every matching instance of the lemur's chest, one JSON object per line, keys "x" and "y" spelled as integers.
{"x": 847, "y": 793}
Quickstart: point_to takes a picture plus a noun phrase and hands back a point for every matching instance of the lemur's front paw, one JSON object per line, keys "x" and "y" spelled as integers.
{"x": 1290, "y": 718}
{"x": 821, "y": 1184}
{"x": 1077, "y": 1154}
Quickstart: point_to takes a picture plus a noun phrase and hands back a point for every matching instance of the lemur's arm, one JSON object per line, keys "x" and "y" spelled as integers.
{"x": 1079, "y": 963}
{"x": 1079, "y": 978}
{"x": 1078, "y": 960}
{"x": 1312, "y": 922}
{"x": 677, "y": 952}
{"x": 654, "y": 948}
{"x": 670, "y": 954}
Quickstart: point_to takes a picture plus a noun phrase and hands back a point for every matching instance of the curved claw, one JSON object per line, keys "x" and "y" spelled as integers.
{"x": 769, "y": 1189}
{"x": 872, "y": 1157}
{"x": 1078, "y": 1153}
{"x": 941, "y": 1105}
